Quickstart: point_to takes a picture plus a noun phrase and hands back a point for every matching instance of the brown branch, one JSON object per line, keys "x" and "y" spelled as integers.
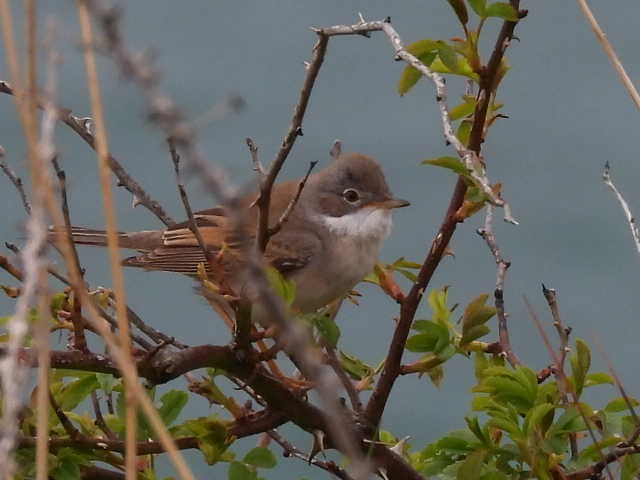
{"x": 193, "y": 225}
{"x": 287, "y": 211}
{"x": 11, "y": 269}
{"x": 99, "y": 421}
{"x": 284, "y": 404}
{"x": 295, "y": 130}
{"x": 595, "y": 470}
{"x": 378, "y": 400}
{"x": 71, "y": 430}
{"x": 81, "y": 126}
{"x": 79, "y": 339}
{"x": 349, "y": 387}
{"x": 563, "y": 384}
{"x": 15, "y": 180}
{"x": 563, "y": 334}
{"x": 290, "y": 450}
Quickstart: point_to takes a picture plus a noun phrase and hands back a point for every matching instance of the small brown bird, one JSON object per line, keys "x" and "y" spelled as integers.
{"x": 329, "y": 243}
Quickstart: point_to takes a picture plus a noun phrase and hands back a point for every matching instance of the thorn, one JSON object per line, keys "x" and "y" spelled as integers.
{"x": 387, "y": 20}
{"x": 299, "y": 132}
{"x": 336, "y": 149}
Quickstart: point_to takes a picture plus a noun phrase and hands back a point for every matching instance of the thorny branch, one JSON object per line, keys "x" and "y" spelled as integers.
{"x": 83, "y": 127}
{"x": 15, "y": 179}
{"x": 502, "y": 266}
{"x": 635, "y": 232}
{"x": 409, "y": 306}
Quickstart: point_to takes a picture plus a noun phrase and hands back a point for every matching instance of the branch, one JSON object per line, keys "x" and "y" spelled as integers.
{"x": 635, "y": 233}
{"x": 16, "y": 180}
{"x": 594, "y": 471}
{"x": 82, "y": 126}
{"x": 295, "y": 130}
{"x": 392, "y": 369}
{"x": 502, "y": 266}
{"x": 290, "y": 206}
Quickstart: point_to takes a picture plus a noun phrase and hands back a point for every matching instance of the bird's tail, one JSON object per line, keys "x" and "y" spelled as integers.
{"x": 145, "y": 240}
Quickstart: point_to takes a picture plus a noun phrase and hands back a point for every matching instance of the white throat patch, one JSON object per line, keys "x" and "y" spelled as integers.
{"x": 373, "y": 223}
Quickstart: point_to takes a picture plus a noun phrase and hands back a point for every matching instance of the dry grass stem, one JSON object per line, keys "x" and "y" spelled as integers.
{"x": 102, "y": 153}
{"x": 610, "y": 52}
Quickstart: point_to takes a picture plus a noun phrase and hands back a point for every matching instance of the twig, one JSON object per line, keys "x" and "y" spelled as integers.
{"x": 99, "y": 421}
{"x": 502, "y": 266}
{"x": 295, "y": 130}
{"x": 193, "y": 225}
{"x": 631, "y": 221}
{"x": 14, "y": 271}
{"x": 255, "y": 160}
{"x": 332, "y": 360}
{"x": 594, "y": 471}
{"x": 81, "y": 126}
{"x": 290, "y": 206}
{"x": 563, "y": 334}
{"x": 562, "y": 379}
{"x": 290, "y": 450}
{"x": 16, "y": 180}
{"x": 102, "y": 154}
{"x": 610, "y": 52}
{"x": 68, "y": 426}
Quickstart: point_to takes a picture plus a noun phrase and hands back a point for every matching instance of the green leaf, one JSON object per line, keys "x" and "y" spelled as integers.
{"x": 172, "y": 404}
{"x": 422, "y": 342}
{"x": 106, "y": 382}
{"x": 461, "y": 10}
{"x": 327, "y": 328}
{"x": 476, "y": 314}
{"x": 284, "y": 288}
{"x": 451, "y": 163}
{"x": 437, "y": 300}
{"x": 464, "y": 109}
{"x": 430, "y": 332}
{"x": 436, "y": 374}
{"x": 474, "y": 333}
{"x": 211, "y": 433}
{"x": 410, "y": 76}
{"x": 598, "y": 378}
{"x": 422, "y": 47}
{"x": 472, "y": 466}
{"x": 448, "y": 56}
{"x": 355, "y": 367}
{"x": 630, "y": 467}
{"x": 240, "y": 471}
{"x": 580, "y": 363}
{"x": 620, "y": 404}
{"x": 68, "y": 464}
{"x": 76, "y": 391}
{"x": 502, "y": 10}
{"x": 463, "y": 131}
{"x": 594, "y": 451}
{"x": 479, "y": 6}
{"x": 260, "y": 457}
{"x": 534, "y": 417}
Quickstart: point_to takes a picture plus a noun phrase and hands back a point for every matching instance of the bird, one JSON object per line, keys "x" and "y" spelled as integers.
{"x": 330, "y": 241}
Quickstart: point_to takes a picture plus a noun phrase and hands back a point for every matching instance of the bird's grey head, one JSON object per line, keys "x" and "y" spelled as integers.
{"x": 351, "y": 182}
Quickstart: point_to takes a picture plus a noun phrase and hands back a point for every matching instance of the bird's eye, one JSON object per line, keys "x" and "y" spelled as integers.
{"x": 351, "y": 195}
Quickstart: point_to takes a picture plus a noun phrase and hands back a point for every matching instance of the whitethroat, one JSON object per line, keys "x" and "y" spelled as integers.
{"x": 329, "y": 243}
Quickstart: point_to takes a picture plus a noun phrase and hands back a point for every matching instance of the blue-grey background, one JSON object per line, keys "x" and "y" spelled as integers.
{"x": 568, "y": 114}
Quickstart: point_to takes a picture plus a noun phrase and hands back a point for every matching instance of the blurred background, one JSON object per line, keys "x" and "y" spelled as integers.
{"x": 568, "y": 115}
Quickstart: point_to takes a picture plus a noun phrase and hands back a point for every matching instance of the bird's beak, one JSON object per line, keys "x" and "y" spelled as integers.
{"x": 390, "y": 203}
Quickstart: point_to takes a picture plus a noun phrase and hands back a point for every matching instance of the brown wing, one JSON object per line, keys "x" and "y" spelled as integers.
{"x": 181, "y": 253}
